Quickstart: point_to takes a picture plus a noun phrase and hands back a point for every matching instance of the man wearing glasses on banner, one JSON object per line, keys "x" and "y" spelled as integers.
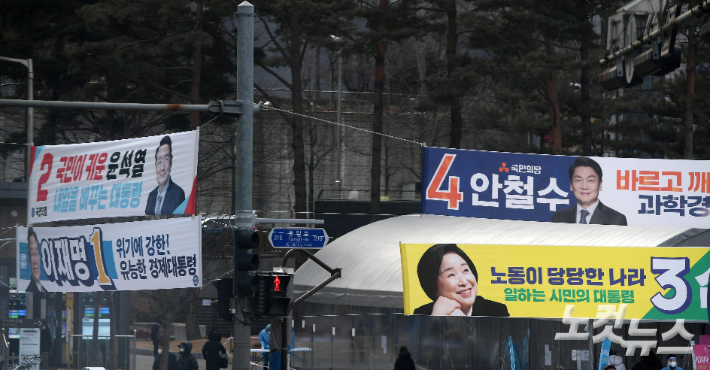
{"x": 167, "y": 196}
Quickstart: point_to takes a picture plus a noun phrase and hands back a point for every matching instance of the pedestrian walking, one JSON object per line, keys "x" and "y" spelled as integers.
{"x": 186, "y": 360}
{"x": 404, "y": 361}
{"x": 155, "y": 337}
{"x": 172, "y": 359}
{"x": 212, "y": 351}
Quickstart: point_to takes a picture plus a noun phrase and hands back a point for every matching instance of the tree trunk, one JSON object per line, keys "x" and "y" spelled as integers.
{"x": 451, "y": 45}
{"x": 95, "y": 332}
{"x": 552, "y": 100}
{"x": 113, "y": 342}
{"x": 299, "y": 161}
{"x": 196, "y": 66}
{"x": 690, "y": 91}
{"x": 193, "y": 330}
{"x": 585, "y": 100}
{"x": 168, "y": 329}
{"x": 378, "y": 110}
{"x": 317, "y": 79}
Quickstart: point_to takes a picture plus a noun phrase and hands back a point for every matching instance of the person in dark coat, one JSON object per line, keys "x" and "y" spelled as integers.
{"x": 212, "y": 350}
{"x": 404, "y": 360}
{"x": 172, "y": 359}
{"x": 155, "y": 337}
{"x": 186, "y": 360}
{"x": 450, "y": 279}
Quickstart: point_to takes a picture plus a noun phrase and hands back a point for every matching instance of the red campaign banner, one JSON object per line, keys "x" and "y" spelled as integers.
{"x": 131, "y": 177}
{"x": 701, "y": 357}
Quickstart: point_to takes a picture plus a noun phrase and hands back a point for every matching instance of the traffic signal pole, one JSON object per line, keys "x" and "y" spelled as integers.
{"x": 244, "y": 216}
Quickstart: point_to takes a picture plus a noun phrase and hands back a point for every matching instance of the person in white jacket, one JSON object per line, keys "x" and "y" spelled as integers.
{"x": 617, "y": 361}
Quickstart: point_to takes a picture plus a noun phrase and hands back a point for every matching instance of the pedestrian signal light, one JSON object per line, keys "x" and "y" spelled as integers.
{"x": 271, "y": 294}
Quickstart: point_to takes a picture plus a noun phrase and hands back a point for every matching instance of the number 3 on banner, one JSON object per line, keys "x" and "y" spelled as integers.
{"x": 671, "y": 272}
{"x": 452, "y": 195}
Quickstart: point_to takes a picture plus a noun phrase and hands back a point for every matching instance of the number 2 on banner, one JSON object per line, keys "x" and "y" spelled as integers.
{"x": 46, "y": 162}
{"x": 452, "y": 194}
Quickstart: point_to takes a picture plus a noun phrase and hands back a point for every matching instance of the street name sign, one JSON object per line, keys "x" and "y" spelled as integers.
{"x": 298, "y": 238}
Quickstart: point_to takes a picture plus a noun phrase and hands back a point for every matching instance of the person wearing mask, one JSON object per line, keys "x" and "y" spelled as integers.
{"x": 186, "y": 360}
{"x": 672, "y": 363}
{"x": 172, "y": 359}
{"x": 212, "y": 350}
{"x": 404, "y": 360}
{"x": 155, "y": 337}
{"x": 616, "y": 361}
{"x": 265, "y": 341}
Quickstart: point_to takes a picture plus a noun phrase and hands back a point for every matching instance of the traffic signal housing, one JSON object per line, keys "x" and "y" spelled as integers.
{"x": 271, "y": 294}
{"x": 224, "y": 294}
{"x": 245, "y": 240}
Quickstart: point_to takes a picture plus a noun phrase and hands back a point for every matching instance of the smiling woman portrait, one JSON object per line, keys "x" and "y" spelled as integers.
{"x": 450, "y": 279}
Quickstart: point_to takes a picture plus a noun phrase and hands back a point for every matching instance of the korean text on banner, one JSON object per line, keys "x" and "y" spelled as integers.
{"x": 653, "y": 283}
{"x": 159, "y": 254}
{"x": 533, "y": 187}
{"x": 132, "y": 177}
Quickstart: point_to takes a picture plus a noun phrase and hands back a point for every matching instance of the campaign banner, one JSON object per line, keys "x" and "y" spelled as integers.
{"x": 534, "y": 187}
{"x": 700, "y": 352}
{"x": 655, "y": 283}
{"x": 131, "y": 177}
{"x": 157, "y": 254}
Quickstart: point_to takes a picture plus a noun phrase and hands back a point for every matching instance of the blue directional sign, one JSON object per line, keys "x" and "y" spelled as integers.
{"x": 298, "y": 238}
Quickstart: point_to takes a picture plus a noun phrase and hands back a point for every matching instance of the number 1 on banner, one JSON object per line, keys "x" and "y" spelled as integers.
{"x": 452, "y": 194}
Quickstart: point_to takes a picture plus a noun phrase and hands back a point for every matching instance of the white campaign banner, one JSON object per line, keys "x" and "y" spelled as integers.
{"x": 534, "y": 187}
{"x": 143, "y": 255}
{"x": 657, "y": 192}
{"x": 131, "y": 177}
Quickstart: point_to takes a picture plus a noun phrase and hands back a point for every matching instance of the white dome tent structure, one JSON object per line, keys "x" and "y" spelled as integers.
{"x": 372, "y": 270}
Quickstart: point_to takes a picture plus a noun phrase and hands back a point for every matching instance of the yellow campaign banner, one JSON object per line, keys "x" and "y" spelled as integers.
{"x": 656, "y": 283}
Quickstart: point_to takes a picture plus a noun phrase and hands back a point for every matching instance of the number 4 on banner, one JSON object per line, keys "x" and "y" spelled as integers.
{"x": 452, "y": 194}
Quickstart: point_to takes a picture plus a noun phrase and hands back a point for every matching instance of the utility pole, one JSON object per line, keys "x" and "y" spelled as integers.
{"x": 339, "y": 114}
{"x": 30, "y": 110}
{"x": 244, "y": 215}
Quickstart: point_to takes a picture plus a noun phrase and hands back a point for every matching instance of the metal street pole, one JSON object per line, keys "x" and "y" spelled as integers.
{"x": 30, "y": 111}
{"x": 244, "y": 170}
{"x": 338, "y": 117}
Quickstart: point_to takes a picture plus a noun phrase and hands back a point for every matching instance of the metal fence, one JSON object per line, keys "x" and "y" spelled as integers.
{"x": 439, "y": 342}
{"x": 86, "y": 350}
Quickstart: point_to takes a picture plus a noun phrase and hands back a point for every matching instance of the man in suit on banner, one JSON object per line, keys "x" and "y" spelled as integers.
{"x": 167, "y": 196}
{"x": 35, "y": 263}
{"x": 585, "y": 177}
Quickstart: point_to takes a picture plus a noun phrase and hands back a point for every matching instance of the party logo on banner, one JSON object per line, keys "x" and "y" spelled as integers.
{"x": 132, "y": 177}
{"x": 592, "y": 190}
{"x": 160, "y": 254}
{"x": 542, "y": 281}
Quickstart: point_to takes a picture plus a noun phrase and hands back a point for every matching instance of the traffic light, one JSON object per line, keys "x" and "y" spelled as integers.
{"x": 224, "y": 294}
{"x": 271, "y": 294}
{"x": 245, "y": 240}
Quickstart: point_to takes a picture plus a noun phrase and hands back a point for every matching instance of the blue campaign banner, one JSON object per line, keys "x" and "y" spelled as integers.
{"x": 568, "y": 189}
{"x": 497, "y": 185}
